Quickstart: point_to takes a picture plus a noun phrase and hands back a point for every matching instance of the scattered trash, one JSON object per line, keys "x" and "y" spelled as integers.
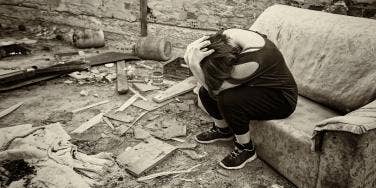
{"x": 68, "y": 82}
{"x": 109, "y": 65}
{"x": 84, "y": 93}
{"x": 51, "y": 154}
{"x": 88, "y": 38}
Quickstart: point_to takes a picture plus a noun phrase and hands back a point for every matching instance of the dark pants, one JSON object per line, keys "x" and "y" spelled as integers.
{"x": 237, "y": 106}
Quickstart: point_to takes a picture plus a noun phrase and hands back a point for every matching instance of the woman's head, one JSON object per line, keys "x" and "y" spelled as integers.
{"x": 218, "y": 65}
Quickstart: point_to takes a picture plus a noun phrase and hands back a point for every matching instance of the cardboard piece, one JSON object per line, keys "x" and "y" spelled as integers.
{"x": 144, "y": 156}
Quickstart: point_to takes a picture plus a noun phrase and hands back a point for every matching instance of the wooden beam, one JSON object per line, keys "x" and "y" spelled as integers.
{"x": 110, "y": 57}
{"x": 90, "y": 106}
{"x": 85, "y": 126}
{"x": 10, "y": 109}
{"x": 143, "y": 17}
{"x": 127, "y": 103}
{"x": 121, "y": 78}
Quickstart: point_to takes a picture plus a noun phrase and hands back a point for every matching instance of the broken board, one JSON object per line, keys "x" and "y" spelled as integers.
{"x": 91, "y": 122}
{"x": 10, "y": 109}
{"x": 145, "y": 87}
{"x": 175, "y": 90}
{"x": 144, "y": 156}
{"x": 121, "y": 78}
{"x": 110, "y": 57}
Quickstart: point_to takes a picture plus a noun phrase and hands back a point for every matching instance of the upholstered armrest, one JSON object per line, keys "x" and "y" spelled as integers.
{"x": 359, "y": 122}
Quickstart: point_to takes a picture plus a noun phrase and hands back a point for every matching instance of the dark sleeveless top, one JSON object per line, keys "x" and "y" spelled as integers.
{"x": 271, "y": 73}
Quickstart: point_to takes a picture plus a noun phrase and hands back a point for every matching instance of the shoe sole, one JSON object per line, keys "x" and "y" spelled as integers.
{"x": 241, "y": 165}
{"x": 215, "y": 140}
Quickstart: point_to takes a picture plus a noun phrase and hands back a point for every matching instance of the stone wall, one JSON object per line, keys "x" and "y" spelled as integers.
{"x": 181, "y": 21}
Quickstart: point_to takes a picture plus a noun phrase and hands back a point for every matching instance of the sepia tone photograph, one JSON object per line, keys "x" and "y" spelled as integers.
{"x": 188, "y": 93}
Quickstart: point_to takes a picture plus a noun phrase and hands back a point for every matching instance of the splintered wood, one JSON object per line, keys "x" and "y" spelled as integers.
{"x": 175, "y": 90}
{"x": 85, "y": 126}
{"x": 10, "y": 109}
{"x": 144, "y": 156}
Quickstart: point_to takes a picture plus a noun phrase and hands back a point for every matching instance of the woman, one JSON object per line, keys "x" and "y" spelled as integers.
{"x": 244, "y": 77}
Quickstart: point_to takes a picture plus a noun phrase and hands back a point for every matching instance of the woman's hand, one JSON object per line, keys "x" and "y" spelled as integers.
{"x": 196, "y": 51}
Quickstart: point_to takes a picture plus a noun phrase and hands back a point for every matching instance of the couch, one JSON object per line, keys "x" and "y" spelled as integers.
{"x": 330, "y": 139}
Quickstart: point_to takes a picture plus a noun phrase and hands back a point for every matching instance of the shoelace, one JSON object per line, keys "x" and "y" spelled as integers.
{"x": 235, "y": 153}
{"x": 213, "y": 130}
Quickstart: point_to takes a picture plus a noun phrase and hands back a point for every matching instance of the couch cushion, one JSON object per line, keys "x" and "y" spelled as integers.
{"x": 332, "y": 57}
{"x": 286, "y": 144}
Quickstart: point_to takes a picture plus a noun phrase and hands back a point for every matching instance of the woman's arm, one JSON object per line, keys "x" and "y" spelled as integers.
{"x": 194, "y": 54}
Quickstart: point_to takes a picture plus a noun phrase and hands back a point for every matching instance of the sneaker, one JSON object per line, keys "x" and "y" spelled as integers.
{"x": 214, "y": 135}
{"x": 239, "y": 157}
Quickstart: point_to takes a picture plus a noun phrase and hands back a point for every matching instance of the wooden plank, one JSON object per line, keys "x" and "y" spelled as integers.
{"x": 110, "y": 57}
{"x": 138, "y": 94}
{"x": 90, "y": 106}
{"x": 108, "y": 122}
{"x": 7, "y": 87}
{"x": 143, "y": 19}
{"x": 85, "y": 126}
{"x": 175, "y": 90}
{"x": 10, "y": 109}
{"x": 144, "y": 156}
{"x": 121, "y": 78}
{"x": 118, "y": 116}
{"x": 127, "y": 103}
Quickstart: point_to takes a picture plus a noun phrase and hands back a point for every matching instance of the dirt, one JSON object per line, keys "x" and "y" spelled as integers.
{"x": 53, "y": 100}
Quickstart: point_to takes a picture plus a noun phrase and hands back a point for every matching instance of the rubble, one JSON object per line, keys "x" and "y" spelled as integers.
{"x": 50, "y": 154}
